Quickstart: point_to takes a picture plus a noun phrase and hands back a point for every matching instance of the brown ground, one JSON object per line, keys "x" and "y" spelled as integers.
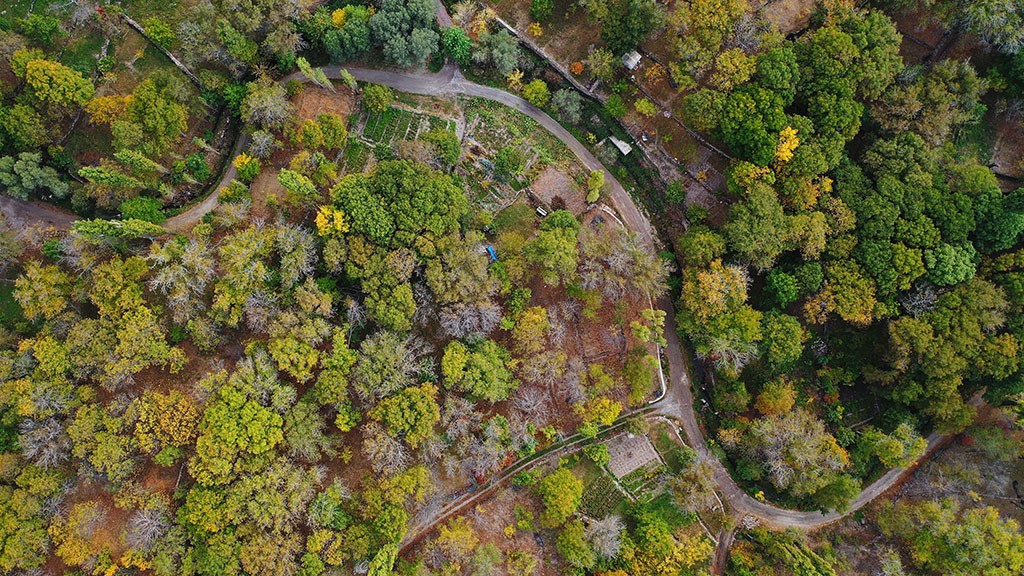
{"x": 489, "y": 521}
{"x": 1007, "y": 155}
{"x": 788, "y": 15}
{"x": 567, "y": 36}
{"x": 314, "y": 100}
{"x": 555, "y": 189}
{"x": 265, "y": 186}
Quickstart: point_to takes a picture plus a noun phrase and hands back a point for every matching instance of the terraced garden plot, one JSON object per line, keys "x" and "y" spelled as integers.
{"x": 399, "y": 124}
{"x": 601, "y": 497}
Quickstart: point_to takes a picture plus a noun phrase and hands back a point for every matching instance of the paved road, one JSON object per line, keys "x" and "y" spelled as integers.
{"x": 450, "y": 82}
{"x": 676, "y": 404}
{"x": 22, "y": 214}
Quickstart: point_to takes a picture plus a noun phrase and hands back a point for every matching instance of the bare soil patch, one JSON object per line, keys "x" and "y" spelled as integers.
{"x": 314, "y": 100}
{"x": 557, "y": 190}
{"x": 567, "y": 35}
{"x": 788, "y": 15}
{"x": 1008, "y": 151}
{"x": 264, "y": 187}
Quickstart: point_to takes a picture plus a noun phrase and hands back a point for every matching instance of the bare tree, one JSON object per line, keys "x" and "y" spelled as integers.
{"x": 230, "y": 214}
{"x": 355, "y": 312}
{"x": 470, "y": 320}
{"x": 267, "y": 104}
{"x": 570, "y": 386}
{"x": 459, "y": 417}
{"x": 616, "y": 263}
{"x": 145, "y": 527}
{"x": 484, "y": 457}
{"x": 533, "y": 402}
{"x": 44, "y": 442}
{"x": 260, "y": 310}
{"x": 694, "y": 488}
{"x": 387, "y": 363}
{"x": 605, "y": 535}
{"x": 387, "y": 454}
{"x": 920, "y": 300}
{"x": 547, "y": 366}
{"x": 263, "y": 144}
{"x": 297, "y": 250}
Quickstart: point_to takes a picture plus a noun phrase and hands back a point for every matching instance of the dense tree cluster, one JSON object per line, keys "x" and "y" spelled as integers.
{"x": 854, "y": 253}
{"x": 255, "y": 360}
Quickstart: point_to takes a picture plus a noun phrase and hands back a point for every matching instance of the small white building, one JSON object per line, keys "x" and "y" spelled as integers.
{"x": 631, "y": 59}
{"x": 623, "y": 147}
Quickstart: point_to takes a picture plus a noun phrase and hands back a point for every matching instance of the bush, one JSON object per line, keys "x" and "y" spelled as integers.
{"x": 143, "y": 208}
{"x": 537, "y": 93}
{"x": 195, "y": 164}
{"x": 159, "y": 32}
{"x": 377, "y": 98}
{"x": 598, "y": 454}
{"x": 248, "y": 167}
{"x": 233, "y": 193}
{"x": 541, "y": 10}
{"x": 645, "y": 107}
{"x": 510, "y": 161}
{"x": 615, "y": 106}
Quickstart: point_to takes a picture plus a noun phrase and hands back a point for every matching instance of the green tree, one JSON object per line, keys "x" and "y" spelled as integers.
{"x": 568, "y": 103}
{"x": 781, "y": 287}
{"x": 377, "y": 98}
{"x": 776, "y": 398}
{"x": 601, "y": 63}
{"x": 25, "y": 175}
{"x": 235, "y": 426}
{"x": 948, "y": 265}
{"x": 499, "y": 49}
{"x": 899, "y": 449}
{"x": 411, "y": 413}
{"x": 554, "y": 254}
{"x": 537, "y": 93}
{"x": 457, "y": 45}
{"x": 540, "y": 10}
{"x": 561, "y": 493}
{"x": 54, "y": 84}
{"x": 154, "y": 119}
{"x": 700, "y": 246}
{"x": 783, "y": 342}
{"x": 482, "y": 370}
{"x": 22, "y": 128}
{"x": 143, "y": 208}
{"x": 757, "y": 228}
{"x": 301, "y": 189}
{"x": 615, "y": 106}
{"x": 945, "y": 539}
{"x": 42, "y": 28}
{"x": 702, "y": 28}
{"x": 24, "y": 491}
{"x": 574, "y": 548}
{"x": 628, "y": 22}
